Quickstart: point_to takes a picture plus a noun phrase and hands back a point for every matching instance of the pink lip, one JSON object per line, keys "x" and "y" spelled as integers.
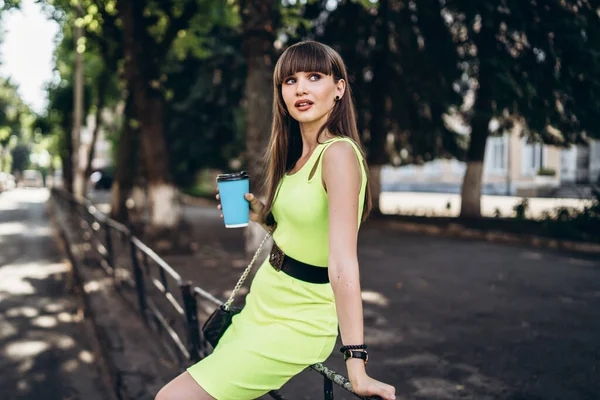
{"x": 305, "y": 107}
{"x": 302, "y": 101}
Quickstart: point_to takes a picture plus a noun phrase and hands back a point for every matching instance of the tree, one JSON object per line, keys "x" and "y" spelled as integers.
{"x": 205, "y": 120}
{"x": 12, "y": 110}
{"x": 152, "y": 33}
{"x": 59, "y": 118}
{"x": 527, "y": 60}
{"x": 106, "y": 41}
{"x": 103, "y": 47}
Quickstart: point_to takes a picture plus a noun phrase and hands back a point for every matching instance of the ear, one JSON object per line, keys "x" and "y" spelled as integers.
{"x": 340, "y": 88}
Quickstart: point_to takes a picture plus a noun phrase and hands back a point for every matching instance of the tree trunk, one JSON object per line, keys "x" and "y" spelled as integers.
{"x": 485, "y": 42}
{"x": 125, "y": 171}
{"x": 259, "y": 23}
{"x": 375, "y": 185}
{"x": 165, "y": 229}
{"x": 471, "y": 188}
{"x": 78, "y": 179}
{"x": 66, "y": 157}
{"x": 378, "y": 126}
{"x": 165, "y": 209}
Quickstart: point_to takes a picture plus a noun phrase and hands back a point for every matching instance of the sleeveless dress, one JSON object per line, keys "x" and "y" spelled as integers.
{"x": 286, "y": 324}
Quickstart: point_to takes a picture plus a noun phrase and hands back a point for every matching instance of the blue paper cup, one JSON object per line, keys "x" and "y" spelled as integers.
{"x": 235, "y": 207}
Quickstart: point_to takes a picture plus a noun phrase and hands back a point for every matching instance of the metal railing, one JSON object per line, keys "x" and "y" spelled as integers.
{"x": 169, "y": 305}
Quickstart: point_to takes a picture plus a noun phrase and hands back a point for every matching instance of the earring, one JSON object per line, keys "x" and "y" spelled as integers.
{"x": 337, "y": 98}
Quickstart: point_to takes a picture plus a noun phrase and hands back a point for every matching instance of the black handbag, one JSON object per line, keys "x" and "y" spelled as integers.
{"x": 218, "y": 322}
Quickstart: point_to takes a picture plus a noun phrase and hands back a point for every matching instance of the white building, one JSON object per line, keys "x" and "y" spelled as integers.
{"x": 511, "y": 167}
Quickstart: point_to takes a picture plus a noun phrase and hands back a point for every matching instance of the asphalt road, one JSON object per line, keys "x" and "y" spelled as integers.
{"x": 44, "y": 349}
{"x": 449, "y": 318}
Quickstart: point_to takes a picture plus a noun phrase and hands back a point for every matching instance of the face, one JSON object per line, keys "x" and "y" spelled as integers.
{"x": 310, "y": 96}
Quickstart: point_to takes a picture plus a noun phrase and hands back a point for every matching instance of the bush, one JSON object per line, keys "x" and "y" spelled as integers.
{"x": 546, "y": 172}
{"x": 571, "y": 223}
{"x": 521, "y": 208}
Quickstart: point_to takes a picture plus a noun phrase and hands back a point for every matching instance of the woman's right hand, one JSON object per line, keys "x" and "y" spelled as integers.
{"x": 256, "y": 207}
{"x": 368, "y": 387}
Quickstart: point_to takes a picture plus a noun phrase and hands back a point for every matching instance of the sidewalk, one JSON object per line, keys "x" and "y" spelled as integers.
{"x": 47, "y": 347}
{"x": 448, "y": 204}
{"x": 447, "y": 318}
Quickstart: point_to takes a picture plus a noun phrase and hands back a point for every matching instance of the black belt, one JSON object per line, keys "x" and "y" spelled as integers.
{"x": 297, "y": 269}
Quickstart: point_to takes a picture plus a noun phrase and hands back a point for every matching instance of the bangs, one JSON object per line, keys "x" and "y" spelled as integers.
{"x": 303, "y": 57}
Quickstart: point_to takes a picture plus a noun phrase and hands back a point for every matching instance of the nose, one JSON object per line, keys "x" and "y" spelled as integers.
{"x": 301, "y": 87}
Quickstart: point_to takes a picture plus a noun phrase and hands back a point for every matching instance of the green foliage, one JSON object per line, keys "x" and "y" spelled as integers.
{"x": 60, "y": 109}
{"x": 575, "y": 224}
{"x": 13, "y": 112}
{"x": 201, "y": 115}
{"x": 203, "y": 185}
{"x": 546, "y": 172}
{"x": 521, "y": 208}
{"x": 535, "y": 60}
{"x": 204, "y": 124}
{"x": 16, "y": 120}
{"x": 412, "y": 65}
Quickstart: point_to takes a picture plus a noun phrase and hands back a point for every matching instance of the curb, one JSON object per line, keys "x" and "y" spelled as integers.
{"x": 459, "y": 231}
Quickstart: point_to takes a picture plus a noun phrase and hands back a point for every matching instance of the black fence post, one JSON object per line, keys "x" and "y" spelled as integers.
{"x": 139, "y": 280}
{"x": 163, "y": 279}
{"x": 191, "y": 318}
{"x": 328, "y": 388}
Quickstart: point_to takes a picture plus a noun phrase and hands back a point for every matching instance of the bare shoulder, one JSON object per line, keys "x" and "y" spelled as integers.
{"x": 340, "y": 166}
{"x": 340, "y": 154}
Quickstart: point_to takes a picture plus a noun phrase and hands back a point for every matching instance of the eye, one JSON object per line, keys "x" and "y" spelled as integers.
{"x": 314, "y": 77}
{"x": 289, "y": 81}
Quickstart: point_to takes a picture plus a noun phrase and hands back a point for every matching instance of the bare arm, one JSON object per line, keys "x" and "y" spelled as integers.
{"x": 342, "y": 178}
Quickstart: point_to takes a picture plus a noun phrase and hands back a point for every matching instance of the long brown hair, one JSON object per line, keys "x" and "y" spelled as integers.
{"x": 285, "y": 144}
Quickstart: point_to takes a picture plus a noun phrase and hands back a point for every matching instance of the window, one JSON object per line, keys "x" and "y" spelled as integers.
{"x": 532, "y": 158}
{"x": 497, "y": 154}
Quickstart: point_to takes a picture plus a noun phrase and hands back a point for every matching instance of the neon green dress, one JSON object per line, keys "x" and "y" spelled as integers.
{"x": 287, "y": 324}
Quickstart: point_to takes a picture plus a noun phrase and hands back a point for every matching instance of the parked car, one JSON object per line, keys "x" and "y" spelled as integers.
{"x": 102, "y": 179}
{"x": 32, "y": 178}
{"x": 7, "y": 182}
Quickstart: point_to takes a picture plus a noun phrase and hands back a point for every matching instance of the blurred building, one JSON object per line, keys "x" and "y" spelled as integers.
{"x": 511, "y": 167}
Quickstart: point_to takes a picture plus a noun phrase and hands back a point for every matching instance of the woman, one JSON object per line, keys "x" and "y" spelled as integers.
{"x": 317, "y": 196}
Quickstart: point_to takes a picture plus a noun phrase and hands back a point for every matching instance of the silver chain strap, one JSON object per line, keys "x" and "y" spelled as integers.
{"x": 245, "y": 274}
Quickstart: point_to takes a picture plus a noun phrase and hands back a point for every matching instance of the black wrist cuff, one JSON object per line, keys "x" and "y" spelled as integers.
{"x": 362, "y": 354}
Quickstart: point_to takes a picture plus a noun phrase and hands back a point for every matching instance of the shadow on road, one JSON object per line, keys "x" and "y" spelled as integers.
{"x": 44, "y": 348}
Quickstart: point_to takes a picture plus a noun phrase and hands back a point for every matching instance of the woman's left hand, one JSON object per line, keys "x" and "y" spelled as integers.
{"x": 367, "y": 386}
